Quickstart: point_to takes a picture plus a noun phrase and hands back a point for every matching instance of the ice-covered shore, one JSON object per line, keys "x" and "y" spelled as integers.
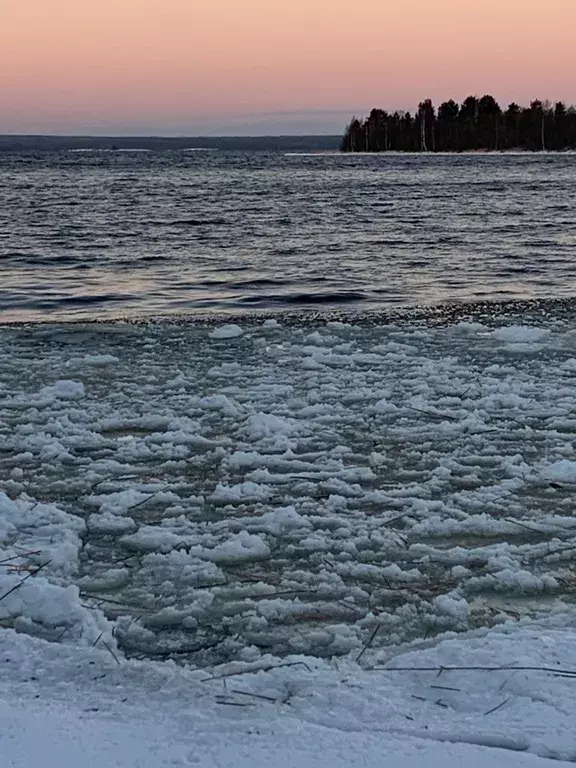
{"x": 243, "y": 497}
{"x": 69, "y": 706}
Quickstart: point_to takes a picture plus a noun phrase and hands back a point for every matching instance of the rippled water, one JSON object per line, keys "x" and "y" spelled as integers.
{"x": 109, "y": 234}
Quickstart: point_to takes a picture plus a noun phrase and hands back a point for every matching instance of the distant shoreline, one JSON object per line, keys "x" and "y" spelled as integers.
{"x": 40, "y": 143}
{"x": 205, "y": 144}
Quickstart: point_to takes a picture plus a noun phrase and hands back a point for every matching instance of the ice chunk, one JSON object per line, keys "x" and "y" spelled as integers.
{"x": 239, "y": 547}
{"x": 261, "y": 425}
{"x": 231, "y": 331}
{"x": 520, "y": 334}
{"x": 63, "y": 390}
{"x": 221, "y": 403}
{"x": 284, "y": 519}
{"x": 242, "y": 492}
{"x": 452, "y": 605}
{"x": 43, "y": 540}
{"x": 563, "y": 471}
{"x": 100, "y": 360}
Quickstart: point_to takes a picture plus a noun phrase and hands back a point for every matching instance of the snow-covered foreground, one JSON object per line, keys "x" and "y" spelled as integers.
{"x": 287, "y": 509}
{"x": 67, "y": 707}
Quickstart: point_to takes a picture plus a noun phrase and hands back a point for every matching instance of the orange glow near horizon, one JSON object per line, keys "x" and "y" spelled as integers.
{"x": 184, "y": 65}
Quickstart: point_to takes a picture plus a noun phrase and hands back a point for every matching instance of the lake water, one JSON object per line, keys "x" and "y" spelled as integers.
{"x": 115, "y": 234}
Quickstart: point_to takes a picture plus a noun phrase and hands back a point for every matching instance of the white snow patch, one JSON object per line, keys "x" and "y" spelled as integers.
{"x": 74, "y": 706}
{"x": 39, "y": 547}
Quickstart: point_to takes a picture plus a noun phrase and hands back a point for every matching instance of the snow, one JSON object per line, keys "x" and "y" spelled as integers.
{"x": 312, "y": 495}
{"x": 43, "y": 541}
{"x": 70, "y": 706}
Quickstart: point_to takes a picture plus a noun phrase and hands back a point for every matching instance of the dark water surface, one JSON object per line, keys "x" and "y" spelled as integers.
{"x": 115, "y": 234}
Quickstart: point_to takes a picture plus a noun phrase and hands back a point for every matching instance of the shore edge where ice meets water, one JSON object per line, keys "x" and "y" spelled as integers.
{"x": 487, "y": 311}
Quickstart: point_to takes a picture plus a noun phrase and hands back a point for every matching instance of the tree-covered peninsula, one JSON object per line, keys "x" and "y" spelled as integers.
{"x": 476, "y": 124}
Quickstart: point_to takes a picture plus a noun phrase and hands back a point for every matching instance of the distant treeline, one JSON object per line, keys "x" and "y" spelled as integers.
{"x": 476, "y": 124}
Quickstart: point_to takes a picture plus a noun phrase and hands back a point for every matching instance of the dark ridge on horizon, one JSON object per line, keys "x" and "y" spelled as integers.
{"x": 478, "y": 124}
{"x": 43, "y": 143}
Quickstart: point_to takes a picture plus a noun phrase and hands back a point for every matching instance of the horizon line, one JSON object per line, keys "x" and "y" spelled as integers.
{"x": 173, "y": 137}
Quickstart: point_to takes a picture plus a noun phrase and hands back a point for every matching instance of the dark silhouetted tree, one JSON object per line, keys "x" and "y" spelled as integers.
{"x": 488, "y": 122}
{"x": 512, "y": 126}
{"x": 477, "y": 124}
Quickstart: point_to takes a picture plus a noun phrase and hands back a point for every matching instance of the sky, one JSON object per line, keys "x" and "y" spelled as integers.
{"x": 239, "y": 67}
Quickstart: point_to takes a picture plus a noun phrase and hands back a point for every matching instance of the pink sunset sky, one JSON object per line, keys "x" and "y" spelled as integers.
{"x": 269, "y": 66}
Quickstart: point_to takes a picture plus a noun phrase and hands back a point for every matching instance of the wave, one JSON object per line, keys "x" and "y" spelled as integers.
{"x": 77, "y": 150}
{"x": 304, "y": 298}
{"x": 334, "y": 153}
{"x": 194, "y": 222}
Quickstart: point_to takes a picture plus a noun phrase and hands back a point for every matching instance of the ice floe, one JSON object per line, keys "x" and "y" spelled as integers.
{"x": 296, "y": 490}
